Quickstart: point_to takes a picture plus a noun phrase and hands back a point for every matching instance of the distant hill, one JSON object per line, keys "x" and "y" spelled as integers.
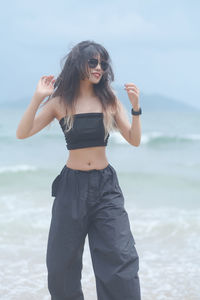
{"x": 154, "y": 102}
{"x": 149, "y": 102}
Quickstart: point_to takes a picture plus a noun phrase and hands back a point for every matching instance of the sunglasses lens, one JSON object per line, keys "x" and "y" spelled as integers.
{"x": 93, "y": 62}
{"x": 104, "y": 65}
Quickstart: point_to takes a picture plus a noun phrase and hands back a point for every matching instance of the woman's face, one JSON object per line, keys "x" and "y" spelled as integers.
{"x": 95, "y": 74}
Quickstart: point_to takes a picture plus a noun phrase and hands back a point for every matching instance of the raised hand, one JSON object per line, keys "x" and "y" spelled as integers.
{"x": 45, "y": 86}
{"x": 133, "y": 94}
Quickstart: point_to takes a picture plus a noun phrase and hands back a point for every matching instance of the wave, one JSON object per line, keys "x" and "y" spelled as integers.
{"x": 157, "y": 137}
{"x": 17, "y": 169}
{"x": 166, "y": 223}
{"x": 160, "y": 138}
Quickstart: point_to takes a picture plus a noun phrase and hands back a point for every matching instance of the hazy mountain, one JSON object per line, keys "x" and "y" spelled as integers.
{"x": 152, "y": 102}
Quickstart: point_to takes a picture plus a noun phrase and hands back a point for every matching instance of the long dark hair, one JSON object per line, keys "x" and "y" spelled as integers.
{"x": 67, "y": 84}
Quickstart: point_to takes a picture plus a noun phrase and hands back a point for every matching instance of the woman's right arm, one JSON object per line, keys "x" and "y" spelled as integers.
{"x": 29, "y": 124}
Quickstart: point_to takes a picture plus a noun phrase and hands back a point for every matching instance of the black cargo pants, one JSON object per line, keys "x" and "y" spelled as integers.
{"x": 91, "y": 202}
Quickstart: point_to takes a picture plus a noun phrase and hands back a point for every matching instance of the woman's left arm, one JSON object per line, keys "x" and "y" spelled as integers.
{"x": 135, "y": 130}
{"x": 131, "y": 132}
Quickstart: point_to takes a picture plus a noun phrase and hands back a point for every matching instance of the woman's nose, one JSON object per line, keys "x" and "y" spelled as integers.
{"x": 98, "y": 67}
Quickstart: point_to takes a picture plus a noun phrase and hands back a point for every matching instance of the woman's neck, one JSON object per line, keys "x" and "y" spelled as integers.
{"x": 86, "y": 89}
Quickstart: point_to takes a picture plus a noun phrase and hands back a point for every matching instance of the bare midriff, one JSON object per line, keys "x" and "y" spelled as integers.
{"x": 87, "y": 158}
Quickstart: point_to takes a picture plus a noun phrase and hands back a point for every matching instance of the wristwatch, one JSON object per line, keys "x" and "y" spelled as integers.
{"x": 136, "y": 113}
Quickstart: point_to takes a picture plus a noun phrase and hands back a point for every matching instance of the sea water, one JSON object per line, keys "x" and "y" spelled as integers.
{"x": 160, "y": 181}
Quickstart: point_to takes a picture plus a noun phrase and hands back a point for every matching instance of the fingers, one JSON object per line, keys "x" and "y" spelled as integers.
{"x": 53, "y": 81}
{"x": 133, "y": 92}
{"x": 130, "y": 84}
{"x": 50, "y": 77}
{"x": 131, "y": 87}
{"x": 48, "y": 80}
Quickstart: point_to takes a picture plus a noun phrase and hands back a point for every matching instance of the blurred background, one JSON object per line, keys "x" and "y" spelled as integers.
{"x": 153, "y": 45}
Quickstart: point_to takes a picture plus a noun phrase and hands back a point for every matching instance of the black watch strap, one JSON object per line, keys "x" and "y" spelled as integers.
{"x": 136, "y": 113}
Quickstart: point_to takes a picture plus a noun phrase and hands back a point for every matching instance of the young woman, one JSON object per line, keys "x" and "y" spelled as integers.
{"x": 88, "y": 197}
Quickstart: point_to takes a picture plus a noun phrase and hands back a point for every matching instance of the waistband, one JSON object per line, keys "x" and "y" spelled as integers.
{"x": 89, "y": 171}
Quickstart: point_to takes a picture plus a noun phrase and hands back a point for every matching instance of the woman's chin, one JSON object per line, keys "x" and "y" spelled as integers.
{"x": 93, "y": 80}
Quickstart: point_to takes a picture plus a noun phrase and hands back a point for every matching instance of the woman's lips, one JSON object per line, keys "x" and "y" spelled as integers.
{"x": 96, "y": 75}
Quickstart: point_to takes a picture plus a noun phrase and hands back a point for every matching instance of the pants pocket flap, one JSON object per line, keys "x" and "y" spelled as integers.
{"x": 54, "y": 186}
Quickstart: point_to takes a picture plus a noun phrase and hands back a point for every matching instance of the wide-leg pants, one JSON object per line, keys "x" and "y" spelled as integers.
{"x": 91, "y": 202}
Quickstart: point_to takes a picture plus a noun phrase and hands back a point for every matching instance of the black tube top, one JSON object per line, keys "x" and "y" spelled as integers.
{"x": 88, "y": 131}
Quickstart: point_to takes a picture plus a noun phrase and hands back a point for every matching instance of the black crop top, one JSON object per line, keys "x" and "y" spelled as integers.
{"x": 88, "y": 131}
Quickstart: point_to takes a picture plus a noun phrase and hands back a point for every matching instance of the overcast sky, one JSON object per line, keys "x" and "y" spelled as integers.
{"x": 154, "y": 44}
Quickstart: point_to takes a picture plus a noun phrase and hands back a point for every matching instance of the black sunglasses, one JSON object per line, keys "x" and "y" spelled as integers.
{"x": 93, "y": 62}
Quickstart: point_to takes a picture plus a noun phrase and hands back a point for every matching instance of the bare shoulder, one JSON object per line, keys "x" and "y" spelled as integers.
{"x": 55, "y": 106}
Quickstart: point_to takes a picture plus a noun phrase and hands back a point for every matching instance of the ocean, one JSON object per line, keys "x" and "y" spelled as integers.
{"x": 160, "y": 181}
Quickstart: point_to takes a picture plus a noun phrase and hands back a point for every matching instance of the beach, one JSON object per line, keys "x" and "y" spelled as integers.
{"x": 160, "y": 181}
